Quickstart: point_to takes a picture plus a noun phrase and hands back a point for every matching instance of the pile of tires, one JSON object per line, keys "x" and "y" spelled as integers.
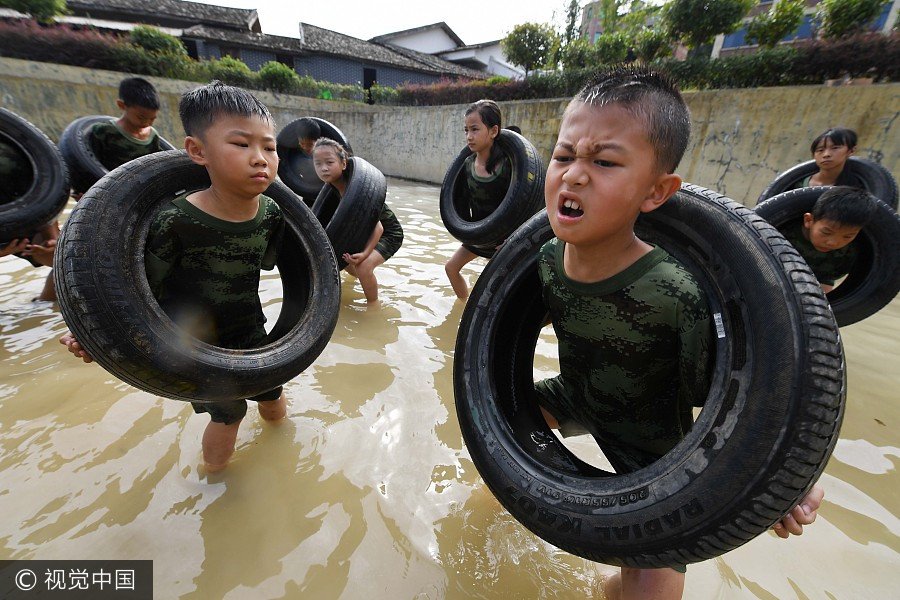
{"x": 295, "y": 166}
{"x": 75, "y": 144}
{"x": 43, "y": 196}
{"x": 106, "y": 301}
{"x": 349, "y": 221}
{"x": 769, "y": 424}
{"x": 523, "y": 199}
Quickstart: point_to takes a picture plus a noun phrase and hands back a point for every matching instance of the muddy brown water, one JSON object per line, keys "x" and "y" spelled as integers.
{"x": 366, "y": 490}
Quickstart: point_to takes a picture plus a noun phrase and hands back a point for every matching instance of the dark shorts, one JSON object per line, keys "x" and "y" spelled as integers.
{"x": 234, "y": 410}
{"x": 389, "y": 243}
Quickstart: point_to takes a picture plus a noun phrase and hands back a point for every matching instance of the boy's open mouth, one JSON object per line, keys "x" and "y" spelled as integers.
{"x": 570, "y": 208}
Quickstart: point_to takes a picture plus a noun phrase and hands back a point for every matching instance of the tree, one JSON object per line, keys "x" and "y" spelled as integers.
{"x": 41, "y": 10}
{"x": 651, "y": 44}
{"x": 770, "y": 27}
{"x": 841, "y": 18}
{"x": 571, "y": 31}
{"x": 529, "y": 45}
{"x": 697, "y": 22}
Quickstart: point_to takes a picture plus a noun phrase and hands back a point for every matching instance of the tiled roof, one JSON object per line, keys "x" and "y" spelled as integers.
{"x": 170, "y": 11}
{"x": 260, "y": 41}
{"x": 325, "y": 41}
{"x": 387, "y": 37}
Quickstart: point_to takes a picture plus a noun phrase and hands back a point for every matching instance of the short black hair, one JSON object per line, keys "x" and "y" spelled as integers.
{"x": 308, "y": 129}
{"x": 136, "y": 91}
{"x": 201, "y": 106}
{"x": 845, "y": 205}
{"x": 514, "y": 128}
{"x": 839, "y": 136}
{"x": 650, "y": 96}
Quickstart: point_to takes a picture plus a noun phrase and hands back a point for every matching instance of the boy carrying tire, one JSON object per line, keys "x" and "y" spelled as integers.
{"x": 632, "y": 323}
{"x": 205, "y": 250}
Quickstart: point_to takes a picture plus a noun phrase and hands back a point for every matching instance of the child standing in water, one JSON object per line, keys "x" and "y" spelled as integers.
{"x": 633, "y": 324}
{"x": 488, "y": 173}
{"x": 831, "y": 149}
{"x": 205, "y": 249}
{"x": 330, "y": 160}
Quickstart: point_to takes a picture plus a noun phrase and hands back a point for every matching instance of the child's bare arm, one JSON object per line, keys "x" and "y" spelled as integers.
{"x": 802, "y": 514}
{"x": 68, "y": 340}
{"x": 358, "y": 257}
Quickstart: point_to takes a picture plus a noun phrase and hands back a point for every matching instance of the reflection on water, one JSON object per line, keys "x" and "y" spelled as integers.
{"x": 365, "y": 491}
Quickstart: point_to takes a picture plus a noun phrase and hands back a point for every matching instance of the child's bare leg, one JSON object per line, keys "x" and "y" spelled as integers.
{"x": 218, "y": 444}
{"x": 49, "y": 291}
{"x": 645, "y": 584}
{"x": 453, "y": 267}
{"x": 273, "y": 410}
{"x": 365, "y": 272}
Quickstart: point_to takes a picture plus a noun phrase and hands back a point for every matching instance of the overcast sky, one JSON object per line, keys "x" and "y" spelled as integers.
{"x": 474, "y": 21}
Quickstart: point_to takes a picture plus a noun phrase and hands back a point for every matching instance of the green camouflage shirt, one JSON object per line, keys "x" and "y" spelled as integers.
{"x": 634, "y": 354}
{"x": 828, "y": 267}
{"x": 16, "y": 174}
{"x": 486, "y": 193}
{"x": 205, "y": 271}
{"x": 113, "y": 147}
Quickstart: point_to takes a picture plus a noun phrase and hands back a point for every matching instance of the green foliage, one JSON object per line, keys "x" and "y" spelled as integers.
{"x": 651, "y": 44}
{"x": 382, "y": 94}
{"x": 229, "y": 70}
{"x": 578, "y": 55}
{"x": 570, "y": 33}
{"x": 610, "y": 48}
{"x": 697, "y": 22}
{"x": 638, "y": 18}
{"x": 41, "y": 10}
{"x": 770, "y": 27}
{"x": 841, "y": 18}
{"x": 154, "y": 40}
{"x": 278, "y": 77}
{"x": 529, "y": 45}
{"x": 497, "y": 79}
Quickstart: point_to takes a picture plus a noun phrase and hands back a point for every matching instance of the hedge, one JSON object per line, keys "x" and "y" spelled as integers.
{"x": 867, "y": 55}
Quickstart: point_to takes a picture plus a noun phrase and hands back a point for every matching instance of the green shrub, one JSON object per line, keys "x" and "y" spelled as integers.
{"x": 611, "y": 48}
{"x": 497, "y": 79}
{"x": 278, "y": 77}
{"x": 156, "y": 41}
{"x": 231, "y": 71}
{"x": 382, "y": 94}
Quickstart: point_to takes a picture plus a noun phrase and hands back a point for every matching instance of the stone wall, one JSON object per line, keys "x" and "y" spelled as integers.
{"x": 741, "y": 138}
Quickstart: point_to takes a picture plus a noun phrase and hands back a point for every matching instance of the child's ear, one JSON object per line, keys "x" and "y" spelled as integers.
{"x": 195, "y": 150}
{"x": 665, "y": 187}
{"x": 808, "y": 220}
{"x": 852, "y": 150}
{"x": 120, "y": 104}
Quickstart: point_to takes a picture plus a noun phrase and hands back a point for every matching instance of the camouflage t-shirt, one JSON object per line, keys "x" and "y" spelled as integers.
{"x": 16, "y": 173}
{"x": 634, "y": 354}
{"x": 113, "y": 147}
{"x": 205, "y": 271}
{"x": 392, "y": 236}
{"x": 828, "y": 267}
{"x": 486, "y": 193}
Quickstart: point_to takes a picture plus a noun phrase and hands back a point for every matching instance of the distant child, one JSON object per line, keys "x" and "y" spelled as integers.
{"x": 488, "y": 173}
{"x": 330, "y": 159}
{"x": 633, "y": 325}
{"x": 205, "y": 249}
{"x": 831, "y": 149}
{"x": 17, "y": 175}
{"x": 824, "y": 238}
{"x": 132, "y": 135}
{"x": 514, "y": 129}
{"x": 308, "y": 131}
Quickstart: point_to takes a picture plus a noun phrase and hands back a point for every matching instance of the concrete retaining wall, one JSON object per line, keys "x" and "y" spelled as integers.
{"x": 741, "y": 138}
